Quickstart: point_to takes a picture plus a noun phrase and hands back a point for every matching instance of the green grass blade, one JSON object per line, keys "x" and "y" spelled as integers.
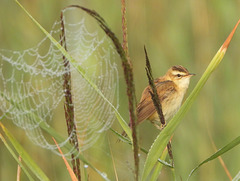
{"x": 158, "y": 167}
{"x": 25, "y": 156}
{"x": 220, "y": 152}
{"x": 164, "y": 136}
{"x": 16, "y": 158}
{"x": 237, "y": 177}
{"x": 125, "y": 126}
{"x": 77, "y": 67}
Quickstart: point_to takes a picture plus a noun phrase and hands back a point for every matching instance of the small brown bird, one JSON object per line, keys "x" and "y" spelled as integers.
{"x": 171, "y": 89}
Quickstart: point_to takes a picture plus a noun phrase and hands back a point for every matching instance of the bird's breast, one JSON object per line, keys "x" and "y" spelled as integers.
{"x": 170, "y": 106}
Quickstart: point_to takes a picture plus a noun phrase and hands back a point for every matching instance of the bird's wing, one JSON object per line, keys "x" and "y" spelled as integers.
{"x": 146, "y": 107}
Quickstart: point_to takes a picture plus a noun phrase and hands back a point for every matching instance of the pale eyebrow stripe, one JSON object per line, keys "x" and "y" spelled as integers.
{"x": 177, "y": 72}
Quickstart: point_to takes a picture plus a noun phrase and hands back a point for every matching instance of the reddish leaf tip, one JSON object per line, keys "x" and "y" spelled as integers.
{"x": 229, "y": 38}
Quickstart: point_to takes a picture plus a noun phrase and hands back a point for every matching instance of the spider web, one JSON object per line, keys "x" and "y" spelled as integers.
{"x": 31, "y": 83}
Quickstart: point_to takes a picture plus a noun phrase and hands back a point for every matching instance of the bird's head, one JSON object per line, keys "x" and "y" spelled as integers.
{"x": 179, "y": 75}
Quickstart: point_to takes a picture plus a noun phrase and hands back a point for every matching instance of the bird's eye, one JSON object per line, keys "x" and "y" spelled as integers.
{"x": 178, "y": 75}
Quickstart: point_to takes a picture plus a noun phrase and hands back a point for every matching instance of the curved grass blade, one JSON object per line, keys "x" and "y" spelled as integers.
{"x": 16, "y": 158}
{"x": 25, "y": 156}
{"x": 81, "y": 69}
{"x": 220, "y": 152}
{"x": 125, "y": 127}
{"x": 220, "y": 158}
{"x": 164, "y": 136}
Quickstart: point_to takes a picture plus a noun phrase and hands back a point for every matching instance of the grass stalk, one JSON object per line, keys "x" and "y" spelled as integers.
{"x": 128, "y": 72}
{"x": 220, "y": 152}
{"x": 68, "y": 105}
{"x": 154, "y": 94}
{"x": 156, "y": 101}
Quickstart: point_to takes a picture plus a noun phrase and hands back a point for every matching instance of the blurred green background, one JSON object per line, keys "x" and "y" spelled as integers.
{"x": 187, "y": 33}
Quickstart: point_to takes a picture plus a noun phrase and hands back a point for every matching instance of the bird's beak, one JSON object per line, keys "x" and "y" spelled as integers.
{"x": 191, "y": 74}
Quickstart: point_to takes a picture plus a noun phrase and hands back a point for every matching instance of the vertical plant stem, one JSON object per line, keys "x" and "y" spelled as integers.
{"x": 68, "y": 105}
{"x": 124, "y": 29}
{"x": 154, "y": 94}
{"x": 156, "y": 101}
{"x": 127, "y": 66}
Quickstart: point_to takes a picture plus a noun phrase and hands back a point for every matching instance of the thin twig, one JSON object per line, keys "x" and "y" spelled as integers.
{"x": 19, "y": 169}
{"x": 68, "y": 105}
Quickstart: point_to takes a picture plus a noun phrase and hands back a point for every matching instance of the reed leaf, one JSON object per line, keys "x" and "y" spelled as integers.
{"x": 11, "y": 151}
{"x": 158, "y": 167}
{"x": 25, "y": 156}
{"x": 220, "y": 152}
